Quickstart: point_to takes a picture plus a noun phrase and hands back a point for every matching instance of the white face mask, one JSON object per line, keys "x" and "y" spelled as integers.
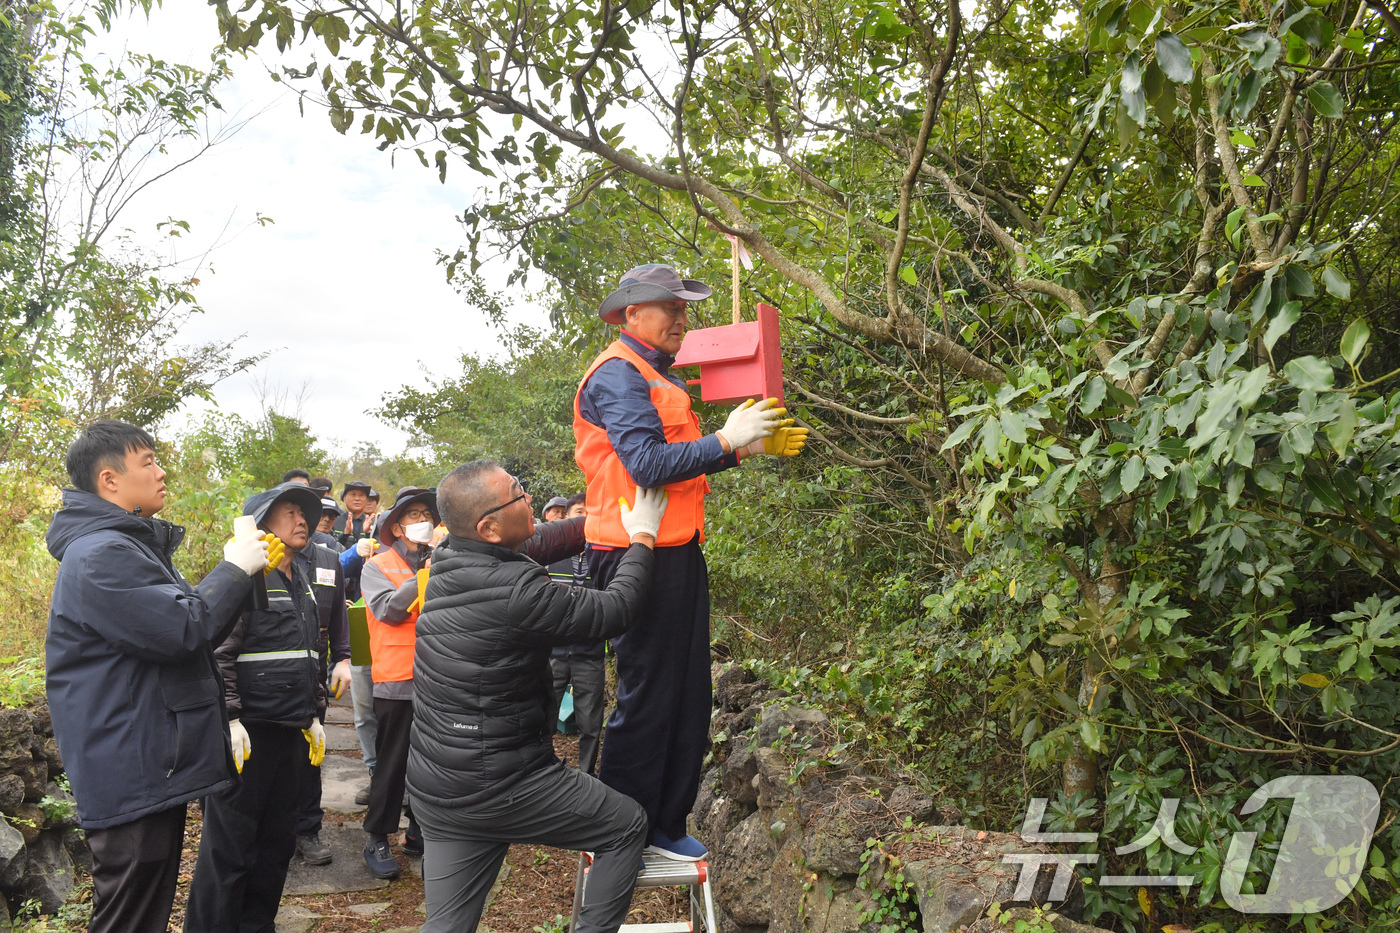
{"x": 419, "y": 532}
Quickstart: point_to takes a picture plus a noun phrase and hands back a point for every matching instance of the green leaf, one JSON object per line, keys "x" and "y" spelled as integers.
{"x": 1326, "y": 99}
{"x": 1337, "y": 284}
{"x": 1354, "y": 340}
{"x": 1309, "y": 372}
{"x": 1132, "y": 474}
{"x": 1130, "y": 89}
{"x": 1093, "y": 396}
{"x": 1340, "y": 431}
{"x": 991, "y": 438}
{"x": 1316, "y": 681}
{"x": 1232, "y": 225}
{"x": 961, "y": 433}
{"x": 907, "y": 276}
{"x": 1092, "y": 734}
{"x": 1174, "y": 58}
{"x": 1282, "y": 323}
{"x": 1299, "y": 282}
{"x": 1013, "y": 425}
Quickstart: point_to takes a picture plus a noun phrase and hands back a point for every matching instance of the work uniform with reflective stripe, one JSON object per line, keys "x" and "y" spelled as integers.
{"x": 270, "y": 664}
{"x": 270, "y": 660}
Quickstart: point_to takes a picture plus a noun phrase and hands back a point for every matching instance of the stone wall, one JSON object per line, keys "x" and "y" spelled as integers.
{"x": 40, "y": 843}
{"x": 788, "y": 833}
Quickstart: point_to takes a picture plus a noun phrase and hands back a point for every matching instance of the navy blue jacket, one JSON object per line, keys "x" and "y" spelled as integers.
{"x": 616, "y": 398}
{"x": 132, "y": 685}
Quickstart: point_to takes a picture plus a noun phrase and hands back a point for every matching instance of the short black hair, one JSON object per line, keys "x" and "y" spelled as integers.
{"x": 104, "y": 445}
{"x": 290, "y": 475}
{"x": 321, "y": 482}
{"x": 578, "y": 498}
{"x": 462, "y": 497}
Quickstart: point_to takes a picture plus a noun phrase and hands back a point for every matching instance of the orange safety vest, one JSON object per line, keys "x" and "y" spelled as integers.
{"x": 608, "y": 479}
{"x": 391, "y": 646}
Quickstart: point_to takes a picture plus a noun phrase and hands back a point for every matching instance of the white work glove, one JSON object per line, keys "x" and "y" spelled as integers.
{"x": 365, "y": 547}
{"x": 238, "y": 738}
{"x": 340, "y": 678}
{"x": 752, "y": 421}
{"x": 644, "y": 518}
{"x": 316, "y": 738}
{"x": 419, "y": 532}
{"x": 249, "y": 556}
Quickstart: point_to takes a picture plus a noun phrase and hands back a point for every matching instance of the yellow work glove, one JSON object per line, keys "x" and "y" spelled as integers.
{"x": 340, "y": 676}
{"x": 239, "y": 741}
{"x": 316, "y": 738}
{"x": 417, "y": 604}
{"x": 276, "y": 551}
{"x": 786, "y": 442}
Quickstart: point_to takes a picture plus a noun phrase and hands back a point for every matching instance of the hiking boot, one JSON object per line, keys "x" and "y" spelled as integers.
{"x": 362, "y": 798}
{"x": 379, "y": 859}
{"x": 313, "y": 850}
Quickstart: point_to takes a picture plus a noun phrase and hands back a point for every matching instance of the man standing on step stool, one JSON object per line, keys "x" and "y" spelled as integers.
{"x": 633, "y": 426}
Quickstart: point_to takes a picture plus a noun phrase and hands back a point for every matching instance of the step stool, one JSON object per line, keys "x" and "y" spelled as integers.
{"x": 662, "y": 872}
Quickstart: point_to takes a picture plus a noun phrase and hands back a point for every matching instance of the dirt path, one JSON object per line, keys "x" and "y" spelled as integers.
{"x": 538, "y": 888}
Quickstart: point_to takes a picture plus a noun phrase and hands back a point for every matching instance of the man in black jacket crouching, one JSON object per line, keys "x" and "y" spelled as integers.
{"x": 482, "y": 773}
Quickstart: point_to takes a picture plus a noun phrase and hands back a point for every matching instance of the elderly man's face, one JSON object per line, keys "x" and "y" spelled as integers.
{"x": 659, "y": 323}
{"x": 287, "y": 521}
{"x": 327, "y": 521}
{"x": 355, "y": 500}
{"x": 554, "y": 513}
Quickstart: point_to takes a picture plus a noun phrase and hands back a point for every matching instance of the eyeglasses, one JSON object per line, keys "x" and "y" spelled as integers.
{"x": 524, "y": 492}
{"x": 422, "y": 515}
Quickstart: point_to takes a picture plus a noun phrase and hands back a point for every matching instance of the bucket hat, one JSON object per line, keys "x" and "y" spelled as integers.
{"x": 406, "y": 497}
{"x": 301, "y": 496}
{"x": 355, "y": 484}
{"x": 650, "y": 282}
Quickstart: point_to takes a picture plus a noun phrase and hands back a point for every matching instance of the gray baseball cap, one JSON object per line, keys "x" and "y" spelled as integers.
{"x": 650, "y": 282}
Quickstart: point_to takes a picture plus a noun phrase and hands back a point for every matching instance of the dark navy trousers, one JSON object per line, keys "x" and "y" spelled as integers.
{"x": 658, "y": 734}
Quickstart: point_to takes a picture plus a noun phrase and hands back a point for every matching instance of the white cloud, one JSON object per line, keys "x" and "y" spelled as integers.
{"x": 343, "y": 287}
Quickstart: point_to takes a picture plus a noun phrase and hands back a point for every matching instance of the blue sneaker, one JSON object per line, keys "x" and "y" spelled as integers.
{"x": 379, "y": 860}
{"x": 684, "y": 849}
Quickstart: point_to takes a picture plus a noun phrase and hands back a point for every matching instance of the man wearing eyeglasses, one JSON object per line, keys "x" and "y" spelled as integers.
{"x": 482, "y": 771}
{"x": 633, "y": 424}
{"x": 392, "y": 603}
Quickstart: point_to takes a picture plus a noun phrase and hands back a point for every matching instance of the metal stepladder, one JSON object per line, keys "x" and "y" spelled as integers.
{"x": 662, "y": 872}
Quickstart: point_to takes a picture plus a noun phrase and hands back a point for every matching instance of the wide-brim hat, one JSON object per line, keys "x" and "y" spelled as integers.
{"x": 355, "y": 484}
{"x": 406, "y": 497}
{"x": 650, "y": 282}
{"x": 301, "y": 496}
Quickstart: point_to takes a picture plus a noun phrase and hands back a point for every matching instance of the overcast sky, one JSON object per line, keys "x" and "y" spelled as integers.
{"x": 343, "y": 288}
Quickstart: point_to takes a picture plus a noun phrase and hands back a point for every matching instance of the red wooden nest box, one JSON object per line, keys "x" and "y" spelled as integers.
{"x": 737, "y": 361}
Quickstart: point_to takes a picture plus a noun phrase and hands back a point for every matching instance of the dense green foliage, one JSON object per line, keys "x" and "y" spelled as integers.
{"x": 1092, "y": 309}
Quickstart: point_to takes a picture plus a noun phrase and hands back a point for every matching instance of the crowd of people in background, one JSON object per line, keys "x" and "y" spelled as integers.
{"x": 477, "y": 621}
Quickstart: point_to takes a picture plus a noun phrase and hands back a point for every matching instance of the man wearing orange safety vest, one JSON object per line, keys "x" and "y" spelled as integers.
{"x": 392, "y": 602}
{"x": 633, "y": 426}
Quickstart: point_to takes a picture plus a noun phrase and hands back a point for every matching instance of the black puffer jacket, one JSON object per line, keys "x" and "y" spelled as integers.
{"x": 483, "y": 705}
